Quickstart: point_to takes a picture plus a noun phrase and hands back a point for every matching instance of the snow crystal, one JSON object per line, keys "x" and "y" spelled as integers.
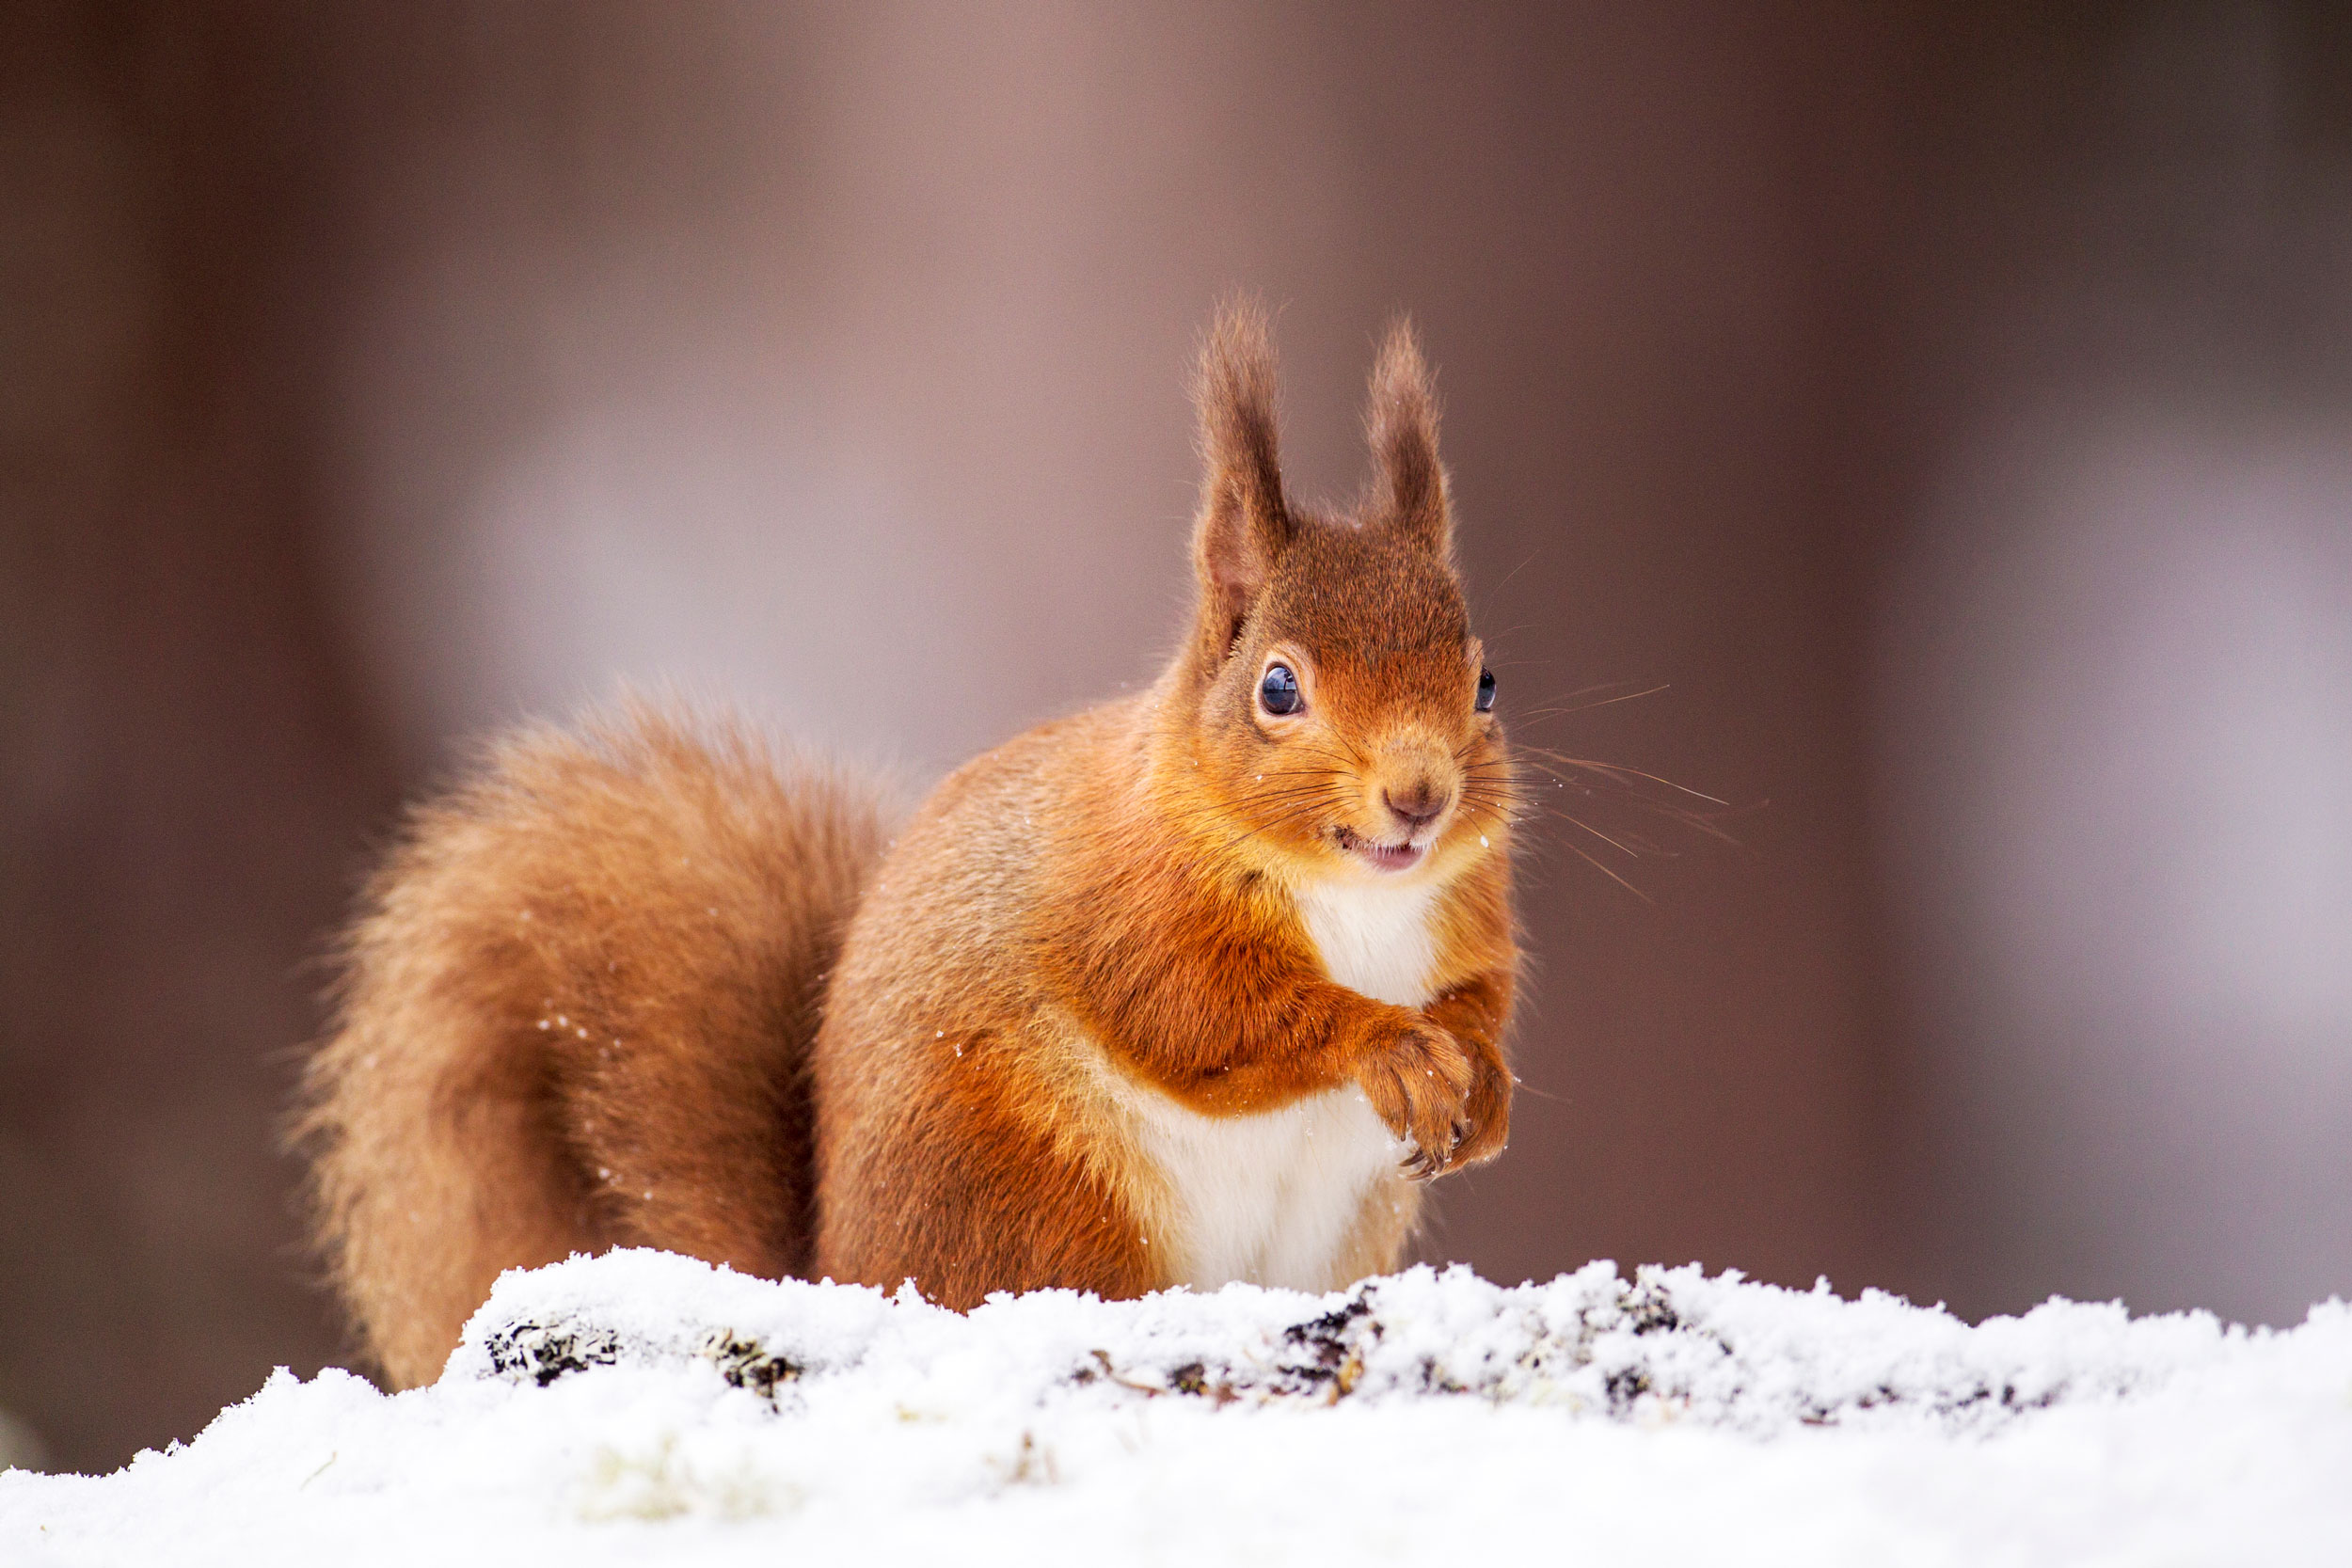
{"x": 642, "y": 1405}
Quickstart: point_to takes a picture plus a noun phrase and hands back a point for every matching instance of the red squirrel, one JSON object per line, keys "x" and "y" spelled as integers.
{"x": 1196, "y": 985}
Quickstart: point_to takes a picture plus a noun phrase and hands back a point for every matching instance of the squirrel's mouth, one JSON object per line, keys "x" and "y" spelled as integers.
{"x": 1380, "y": 856}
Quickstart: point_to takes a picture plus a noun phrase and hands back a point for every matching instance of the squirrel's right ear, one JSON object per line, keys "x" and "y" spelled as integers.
{"x": 1245, "y": 524}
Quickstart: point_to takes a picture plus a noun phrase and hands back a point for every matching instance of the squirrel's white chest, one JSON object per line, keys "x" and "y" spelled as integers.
{"x": 1276, "y": 1198}
{"x": 1375, "y": 937}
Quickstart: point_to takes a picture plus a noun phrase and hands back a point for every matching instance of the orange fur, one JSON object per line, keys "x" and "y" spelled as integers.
{"x": 573, "y": 1016}
{"x": 1085, "y": 1021}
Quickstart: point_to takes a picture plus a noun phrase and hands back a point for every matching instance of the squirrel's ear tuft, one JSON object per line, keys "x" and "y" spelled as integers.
{"x": 1245, "y": 523}
{"x": 1401, "y": 420}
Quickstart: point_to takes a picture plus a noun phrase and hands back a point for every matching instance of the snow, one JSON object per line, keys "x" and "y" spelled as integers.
{"x": 642, "y": 1407}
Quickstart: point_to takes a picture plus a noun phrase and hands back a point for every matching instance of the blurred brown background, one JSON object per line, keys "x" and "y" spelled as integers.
{"x": 1946, "y": 403}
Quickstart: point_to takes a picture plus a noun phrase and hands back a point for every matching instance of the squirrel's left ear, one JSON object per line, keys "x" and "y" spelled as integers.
{"x": 1245, "y": 524}
{"x": 1401, "y": 420}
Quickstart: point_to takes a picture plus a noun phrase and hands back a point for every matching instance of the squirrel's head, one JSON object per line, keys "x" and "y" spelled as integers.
{"x": 1337, "y": 710}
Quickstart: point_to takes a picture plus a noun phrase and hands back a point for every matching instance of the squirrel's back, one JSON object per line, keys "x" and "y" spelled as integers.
{"x": 959, "y": 1107}
{"x": 574, "y": 1014}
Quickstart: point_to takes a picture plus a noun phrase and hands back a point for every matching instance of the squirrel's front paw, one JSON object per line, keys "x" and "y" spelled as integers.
{"x": 1487, "y": 1111}
{"x": 1419, "y": 1082}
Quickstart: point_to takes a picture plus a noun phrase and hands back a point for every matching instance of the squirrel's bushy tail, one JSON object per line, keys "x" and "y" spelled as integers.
{"x": 574, "y": 1013}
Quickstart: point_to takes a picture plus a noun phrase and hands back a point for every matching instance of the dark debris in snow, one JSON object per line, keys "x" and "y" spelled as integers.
{"x": 1667, "y": 1345}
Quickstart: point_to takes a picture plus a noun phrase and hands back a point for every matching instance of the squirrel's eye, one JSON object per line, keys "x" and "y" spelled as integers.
{"x": 1485, "y": 690}
{"x": 1279, "y": 689}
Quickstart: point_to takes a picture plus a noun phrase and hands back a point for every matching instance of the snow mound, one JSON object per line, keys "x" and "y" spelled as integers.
{"x": 1668, "y": 1344}
{"x": 640, "y": 1406}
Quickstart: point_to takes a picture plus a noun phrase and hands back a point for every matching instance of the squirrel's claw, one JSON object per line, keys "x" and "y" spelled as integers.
{"x": 1420, "y": 1083}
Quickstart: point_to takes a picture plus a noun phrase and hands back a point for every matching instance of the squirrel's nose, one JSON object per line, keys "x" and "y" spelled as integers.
{"x": 1418, "y": 804}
